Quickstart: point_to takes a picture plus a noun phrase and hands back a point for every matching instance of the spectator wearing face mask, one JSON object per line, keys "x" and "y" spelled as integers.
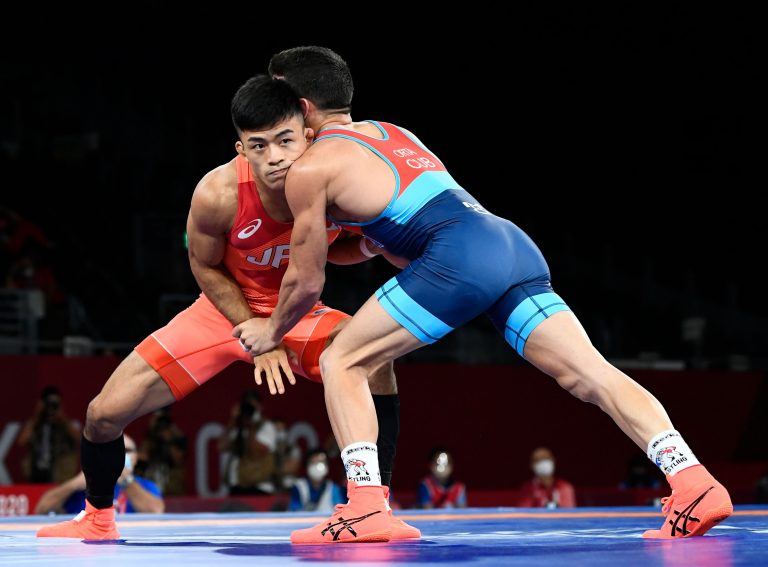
{"x": 545, "y": 490}
{"x": 316, "y": 492}
{"x": 133, "y": 493}
{"x": 440, "y": 489}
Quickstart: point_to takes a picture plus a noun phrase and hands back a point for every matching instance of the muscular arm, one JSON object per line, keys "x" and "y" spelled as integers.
{"x": 210, "y": 217}
{"x": 305, "y": 276}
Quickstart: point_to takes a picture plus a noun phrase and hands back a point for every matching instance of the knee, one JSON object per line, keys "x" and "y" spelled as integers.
{"x": 330, "y": 363}
{"x": 335, "y": 364}
{"x": 581, "y": 385}
{"x": 100, "y": 425}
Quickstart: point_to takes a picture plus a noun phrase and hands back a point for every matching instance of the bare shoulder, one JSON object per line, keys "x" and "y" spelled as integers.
{"x": 218, "y": 186}
{"x": 214, "y": 202}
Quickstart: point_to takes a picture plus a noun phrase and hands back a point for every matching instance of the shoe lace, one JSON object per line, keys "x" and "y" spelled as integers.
{"x": 667, "y": 502}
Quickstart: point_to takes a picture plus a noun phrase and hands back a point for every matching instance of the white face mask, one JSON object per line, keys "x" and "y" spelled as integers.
{"x": 317, "y": 471}
{"x": 545, "y": 467}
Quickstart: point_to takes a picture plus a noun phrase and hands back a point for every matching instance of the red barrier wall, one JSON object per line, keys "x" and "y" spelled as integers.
{"x": 490, "y": 416}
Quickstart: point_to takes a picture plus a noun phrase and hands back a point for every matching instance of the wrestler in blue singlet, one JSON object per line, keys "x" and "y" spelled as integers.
{"x": 464, "y": 259}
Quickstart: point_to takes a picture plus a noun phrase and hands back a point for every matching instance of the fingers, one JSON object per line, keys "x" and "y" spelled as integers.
{"x": 237, "y": 331}
{"x": 287, "y": 370}
{"x": 277, "y": 378}
{"x": 257, "y": 371}
{"x": 272, "y": 365}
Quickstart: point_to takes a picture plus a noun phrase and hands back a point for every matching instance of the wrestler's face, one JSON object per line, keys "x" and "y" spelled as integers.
{"x": 271, "y": 152}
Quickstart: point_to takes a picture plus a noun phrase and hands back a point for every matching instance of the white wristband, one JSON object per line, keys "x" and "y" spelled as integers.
{"x": 364, "y": 248}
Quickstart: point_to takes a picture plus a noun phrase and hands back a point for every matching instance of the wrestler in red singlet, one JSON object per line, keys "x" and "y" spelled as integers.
{"x": 198, "y": 343}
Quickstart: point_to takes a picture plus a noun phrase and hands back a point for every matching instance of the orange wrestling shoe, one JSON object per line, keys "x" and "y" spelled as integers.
{"x": 698, "y": 502}
{"x": 400, "y": 530}
{"x": 92, "y": 523}
{"x": 363, "y": 519}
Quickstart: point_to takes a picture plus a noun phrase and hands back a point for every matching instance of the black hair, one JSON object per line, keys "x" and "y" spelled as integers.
{"x": 317, "y": 74}
{"x": 312, "y": 452}
{"x": 262, "y": 102}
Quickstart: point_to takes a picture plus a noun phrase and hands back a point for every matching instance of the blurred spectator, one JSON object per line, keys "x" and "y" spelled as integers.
{"x": 439, "y": 489}
{"x": 51, "y": 440}
{"x": 164, "y": 449}
{"x": 132, "y": 493}
{"x": 30, "y": 272}
{"x": 336, "y": 466}
{"x": 287, "y": 458}
{"x": 250, "y": 439}
{"x": 545, "y": 490}
{"x": 316, "y": 492}
{"x": 641, "y": 473}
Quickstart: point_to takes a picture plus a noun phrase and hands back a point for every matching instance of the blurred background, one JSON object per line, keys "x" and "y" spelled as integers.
{"x": 624, "y": 143}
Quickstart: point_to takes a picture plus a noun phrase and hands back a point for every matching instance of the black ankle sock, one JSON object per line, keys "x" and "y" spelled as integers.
{"x": 102, "y": 465}
{"x": 388, "y": 415}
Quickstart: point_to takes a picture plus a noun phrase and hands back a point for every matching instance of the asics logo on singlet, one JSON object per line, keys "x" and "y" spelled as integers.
{"x": 252, "y": 227}
{"x": 476, "y": 207}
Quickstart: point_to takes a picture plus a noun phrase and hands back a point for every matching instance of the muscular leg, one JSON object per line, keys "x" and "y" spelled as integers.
{"x": 559, "y": 347}
{"x": 133, "y": 390}
{"x": 383, "y": 386}
{"x": 371, "y": 339}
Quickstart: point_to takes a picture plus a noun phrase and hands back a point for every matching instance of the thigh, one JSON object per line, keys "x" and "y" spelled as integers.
{"x": 559, "y": 345}
{"x": 522, "y": 309}
{"x": 192, "y": 348}
{"x": 134, "y": 389}
{"x": 372, "y": 338}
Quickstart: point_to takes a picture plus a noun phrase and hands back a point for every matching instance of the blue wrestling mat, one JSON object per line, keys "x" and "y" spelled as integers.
{"x": 476, "y": 536}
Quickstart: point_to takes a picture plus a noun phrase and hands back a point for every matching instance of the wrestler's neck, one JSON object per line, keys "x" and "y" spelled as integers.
{"x": 319, "y": 121}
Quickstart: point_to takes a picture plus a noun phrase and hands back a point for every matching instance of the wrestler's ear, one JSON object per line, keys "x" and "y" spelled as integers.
{"x": 306, "y": 107}
{"x": 240, "y": 148}
{"x": 309, "y": 135}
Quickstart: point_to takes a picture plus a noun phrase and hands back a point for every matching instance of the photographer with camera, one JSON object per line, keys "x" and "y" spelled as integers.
{"x": 51, "y": 439}
{"x": 250, "y": 439}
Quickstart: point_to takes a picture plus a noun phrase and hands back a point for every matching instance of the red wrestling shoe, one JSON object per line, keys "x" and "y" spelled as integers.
{"x": 698, "y": 502}
{"x": 363, "y": 519}
{"x": 400, "y": 530}
{"x": 92, "y": 523}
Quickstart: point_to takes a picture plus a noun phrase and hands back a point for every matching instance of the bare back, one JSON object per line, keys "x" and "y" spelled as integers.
{"x": 360, "y": 184}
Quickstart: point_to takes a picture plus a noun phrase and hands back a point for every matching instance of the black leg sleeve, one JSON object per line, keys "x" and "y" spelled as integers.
{"x": 388, "y": 415}
{"x": 102, "y": 465}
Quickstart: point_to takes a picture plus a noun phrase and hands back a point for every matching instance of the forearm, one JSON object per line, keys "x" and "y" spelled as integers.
{"x": 298, "y": 294}
{"x": 224, "y": 292}
{"x": 143, "y": 500}
{"x": 348, "y": 251}
{"x": 52, "y": 500}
